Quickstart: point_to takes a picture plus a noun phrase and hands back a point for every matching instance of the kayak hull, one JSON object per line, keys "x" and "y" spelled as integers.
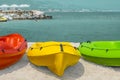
{"x": 12, "y": 48}
{"x": 106, "y": 53}
{"x": 57, "y": 59}
{"x": 103, "y": 61}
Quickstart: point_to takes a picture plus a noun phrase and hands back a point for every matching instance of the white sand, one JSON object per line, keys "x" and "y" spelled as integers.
{"x": 84, "y": 70}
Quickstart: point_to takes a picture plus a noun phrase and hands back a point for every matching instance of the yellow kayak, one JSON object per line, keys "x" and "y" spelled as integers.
{"x": 57, "y": 56}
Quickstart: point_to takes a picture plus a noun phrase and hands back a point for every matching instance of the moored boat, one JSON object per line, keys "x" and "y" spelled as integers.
{"x": 101, "y": 52}
{"x": 12, "y": 48}
{"x": 57, "y": 56}
{"x": 3, "y": 19}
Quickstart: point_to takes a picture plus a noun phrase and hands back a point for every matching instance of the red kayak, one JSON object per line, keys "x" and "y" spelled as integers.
{"x": 12, "y": 48}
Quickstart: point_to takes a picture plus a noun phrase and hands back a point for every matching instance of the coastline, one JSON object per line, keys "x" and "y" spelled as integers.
{"x": 83, "y": 70}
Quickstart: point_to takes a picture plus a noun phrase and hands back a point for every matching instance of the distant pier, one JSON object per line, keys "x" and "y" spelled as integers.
{"x": 24, "y": 14}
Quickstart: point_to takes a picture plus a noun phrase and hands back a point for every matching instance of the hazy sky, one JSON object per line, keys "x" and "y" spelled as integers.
{"x": 73, "y": 4}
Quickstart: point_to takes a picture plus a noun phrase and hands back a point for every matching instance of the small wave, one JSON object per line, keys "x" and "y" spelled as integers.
{"x": 14, "y": 5}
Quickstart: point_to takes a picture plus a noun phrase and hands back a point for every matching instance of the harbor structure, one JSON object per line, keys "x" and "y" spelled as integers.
{"x": 23, "y": 14}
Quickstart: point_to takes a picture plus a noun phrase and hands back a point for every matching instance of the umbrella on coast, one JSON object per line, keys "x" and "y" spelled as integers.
{"x": 14, "y": 5}
{"x": 24, "y": 5}
{"x": 4, "y": 6}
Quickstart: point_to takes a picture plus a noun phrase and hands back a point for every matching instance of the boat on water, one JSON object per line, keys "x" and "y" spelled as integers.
{"x": 3, "y": 19}
{"x": 101, "y": 52}
{"x": 57, "y": 56}
{"x": 12, "y": 48}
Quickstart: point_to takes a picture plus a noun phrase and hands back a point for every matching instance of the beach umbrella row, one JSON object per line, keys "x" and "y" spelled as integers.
{"x": 14, "y": 5}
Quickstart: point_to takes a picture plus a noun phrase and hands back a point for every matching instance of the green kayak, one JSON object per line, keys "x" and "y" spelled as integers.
{"x": 101, "y": 52}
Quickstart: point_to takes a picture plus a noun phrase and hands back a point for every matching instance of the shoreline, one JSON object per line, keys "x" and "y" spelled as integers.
{"x": 83, "y": 70}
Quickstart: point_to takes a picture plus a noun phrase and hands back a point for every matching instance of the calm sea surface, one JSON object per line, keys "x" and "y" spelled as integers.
{"x": 67, "y": 26}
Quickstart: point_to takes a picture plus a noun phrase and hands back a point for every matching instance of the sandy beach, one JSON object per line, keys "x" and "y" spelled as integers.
{"x": 83, "y": 70}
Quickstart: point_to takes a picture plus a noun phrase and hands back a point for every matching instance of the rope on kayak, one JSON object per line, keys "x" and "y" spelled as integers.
{"x": 88, "y": 41}
{"x": 106, "y": 50}
{"x": 31, "y": 48}
{"x": 92, "y": 49}
{"x": 52, "y": 45}
{"x": 3, "y": 51}
{"x": 61, "y": 47}
{"x": 22, "y": 45}
{"x": 18, "y": 49}
{"x": 82, "y": 46}
{"x": 41, "y": 48}
{"x": 81, "y": 42}
{"x": 97, "y": 48}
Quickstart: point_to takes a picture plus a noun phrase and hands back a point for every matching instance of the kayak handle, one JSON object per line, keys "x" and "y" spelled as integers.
{"x": 88, "y": 41}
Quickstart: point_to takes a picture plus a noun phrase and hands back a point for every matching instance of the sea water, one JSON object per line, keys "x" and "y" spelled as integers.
{"x": 67, "y": 26}
{"x": 73, "y": 21}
